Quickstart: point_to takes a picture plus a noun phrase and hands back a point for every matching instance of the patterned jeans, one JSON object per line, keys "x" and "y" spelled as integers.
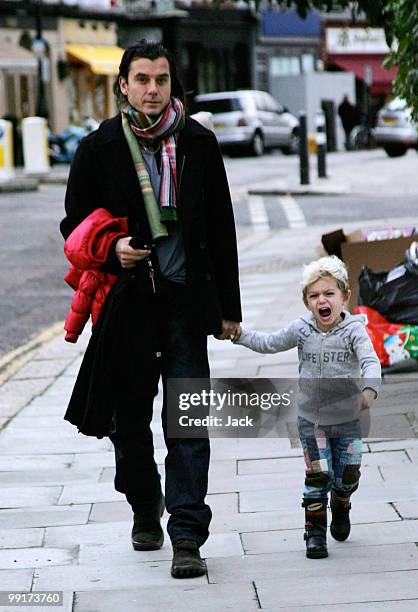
{"x": 332, "y": 457}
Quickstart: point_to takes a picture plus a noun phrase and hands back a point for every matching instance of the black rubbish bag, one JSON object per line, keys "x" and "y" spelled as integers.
{"x": 393, "y": 294}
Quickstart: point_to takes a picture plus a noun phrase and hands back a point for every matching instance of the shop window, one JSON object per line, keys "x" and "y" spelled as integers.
{"x": 284, "y": 66}
{"x": 308, "y": 63}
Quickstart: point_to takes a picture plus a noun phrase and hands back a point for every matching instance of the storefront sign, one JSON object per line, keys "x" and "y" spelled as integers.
{"x": 356, "y": 40}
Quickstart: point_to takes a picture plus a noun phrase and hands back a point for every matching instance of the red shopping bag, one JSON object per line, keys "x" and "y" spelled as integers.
{"x": 393, "y": 342}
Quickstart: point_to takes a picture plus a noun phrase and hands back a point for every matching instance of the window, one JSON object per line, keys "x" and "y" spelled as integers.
{"x": 284, "y": 66}
{"x": 222, "y": 105}
{"x": 308, "y": 63}
{"x": 260, "y": 102}
{"x": 272, "y": 105}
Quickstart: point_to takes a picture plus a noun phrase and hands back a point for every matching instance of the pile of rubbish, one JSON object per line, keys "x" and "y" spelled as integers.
{"x": 390, "y": 301}
{"x": 383, "y": 270}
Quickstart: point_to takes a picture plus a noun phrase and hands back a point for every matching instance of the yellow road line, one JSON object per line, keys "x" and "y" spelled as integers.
{"x": 12, "y": 361}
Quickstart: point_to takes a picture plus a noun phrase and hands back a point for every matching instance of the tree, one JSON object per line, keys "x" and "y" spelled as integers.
{"x": 399, "y": 18}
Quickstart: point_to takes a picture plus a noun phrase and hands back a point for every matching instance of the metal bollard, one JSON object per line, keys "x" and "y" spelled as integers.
{"x": 321, "y": 144}
{"x": 6, "y": 150}
{"x": 303, "y": 150}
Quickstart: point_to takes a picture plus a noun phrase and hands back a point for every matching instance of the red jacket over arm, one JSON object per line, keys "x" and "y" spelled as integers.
{"x": 87, "y": 248}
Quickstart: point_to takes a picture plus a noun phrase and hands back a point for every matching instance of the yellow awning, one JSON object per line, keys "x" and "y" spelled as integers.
{"x": 101, "y": 59}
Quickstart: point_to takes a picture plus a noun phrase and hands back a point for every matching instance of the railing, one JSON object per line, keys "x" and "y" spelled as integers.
{"x": 149, "y": 6}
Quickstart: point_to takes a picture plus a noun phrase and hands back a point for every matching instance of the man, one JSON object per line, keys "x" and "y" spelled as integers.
{"x": 165, "y": 173}
{"x": 349, "y": 118}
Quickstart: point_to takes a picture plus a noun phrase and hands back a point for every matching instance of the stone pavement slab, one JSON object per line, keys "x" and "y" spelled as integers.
{"x": 53, "y": 421}
{"x": 37, "y": 557}
{"x": 202, "y": 598}
{"x": 48, "y": 477}
{"x": 44, "y": 516}
{"x": 42, "y": 368}
{"x": 19, "y": 538}
{"x": 281, "y": 498}
{"x": 222, "y": 504}
{"x": 89, "y": 493}
{"x": 102, "y": 459}
{"x": 108, "y": 512}
{"x": 280, "y": 593}
{"x": 15, "y": 394}
{"x": 397, "y": 532}
{"x": 35, "y": 462}
{"x": 293, "y": 518}
{"x": 296, "y": 465}
{"x": 16, "y": 580}
{"x": 376, "y": 559}
{"x": 400, "y": 605}
{"x": 121, "y": 552}
{"x": 407, "y": 509}
{"x": 17, "y": 497}
{"x": 103, "y": 578}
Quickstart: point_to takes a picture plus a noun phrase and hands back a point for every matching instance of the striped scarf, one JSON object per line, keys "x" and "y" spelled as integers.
{"x": 136, "y": 127}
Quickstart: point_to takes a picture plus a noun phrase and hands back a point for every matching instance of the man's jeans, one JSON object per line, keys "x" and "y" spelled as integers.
{"x": 183, "y": 355}
{"x": 332, "y": 458}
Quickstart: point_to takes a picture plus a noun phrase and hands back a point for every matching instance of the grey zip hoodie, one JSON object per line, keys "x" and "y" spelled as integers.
{"x": 345, "y": 353}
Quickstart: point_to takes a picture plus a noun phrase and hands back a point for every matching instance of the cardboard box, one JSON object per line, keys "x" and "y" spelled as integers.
{"x": 361, "y": 248}
{"x": 379, "y": 255}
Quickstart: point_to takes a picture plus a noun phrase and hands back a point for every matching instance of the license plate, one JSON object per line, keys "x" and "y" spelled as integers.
{"x": 389, "y": 120}
{"x": 218, "y": 125}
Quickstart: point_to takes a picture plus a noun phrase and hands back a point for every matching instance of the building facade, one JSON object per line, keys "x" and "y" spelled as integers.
{"x": 75, "y": 66}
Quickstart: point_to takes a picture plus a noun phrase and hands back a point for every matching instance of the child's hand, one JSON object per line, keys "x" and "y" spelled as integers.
{"x": 229, "y": 330}
{"x": 236, "y": 333}
{"x": 367, "y": 398}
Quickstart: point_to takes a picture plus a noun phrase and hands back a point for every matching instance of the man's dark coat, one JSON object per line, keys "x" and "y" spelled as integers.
{"x": 103, "y": 176}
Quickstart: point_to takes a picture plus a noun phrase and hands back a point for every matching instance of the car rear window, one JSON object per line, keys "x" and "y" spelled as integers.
{"x": 221, "y": 105}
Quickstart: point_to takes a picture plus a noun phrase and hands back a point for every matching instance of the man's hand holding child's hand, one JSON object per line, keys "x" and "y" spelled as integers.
{"x": 230, "y": 330}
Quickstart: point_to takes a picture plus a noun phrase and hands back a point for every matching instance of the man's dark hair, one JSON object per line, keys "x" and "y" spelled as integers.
{"x": 151, "y": 50}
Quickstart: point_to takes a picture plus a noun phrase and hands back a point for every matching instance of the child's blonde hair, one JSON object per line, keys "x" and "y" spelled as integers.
{"x": 323, "y": 267}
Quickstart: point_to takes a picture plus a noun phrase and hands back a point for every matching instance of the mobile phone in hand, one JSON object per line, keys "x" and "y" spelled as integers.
{"x": 139, "y": 243}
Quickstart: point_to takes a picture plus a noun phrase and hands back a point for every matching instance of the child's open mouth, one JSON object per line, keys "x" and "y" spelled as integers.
{"x": 325, "y": 312}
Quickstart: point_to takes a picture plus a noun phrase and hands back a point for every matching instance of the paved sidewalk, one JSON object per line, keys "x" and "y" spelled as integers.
{"x": 63, "y": 527}
{"x": 365, "y": 172}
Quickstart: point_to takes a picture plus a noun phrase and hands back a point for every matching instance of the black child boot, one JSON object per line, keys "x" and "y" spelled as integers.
{"x": 340, "y": 523}
{"x": 316, "y": 528}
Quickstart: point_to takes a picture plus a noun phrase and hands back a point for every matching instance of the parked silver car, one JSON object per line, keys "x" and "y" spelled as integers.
{"x": 394, "y": 130}
{"x": 250, "y": 120}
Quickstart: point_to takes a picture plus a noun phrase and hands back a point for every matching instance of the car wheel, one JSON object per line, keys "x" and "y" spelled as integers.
{"x": 257, "y": 145}
{"x": 293, "y": 147}
{"x": 395, "y": 150}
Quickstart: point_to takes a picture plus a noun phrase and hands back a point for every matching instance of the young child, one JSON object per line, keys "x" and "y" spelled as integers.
{"x": 332, "y": 344}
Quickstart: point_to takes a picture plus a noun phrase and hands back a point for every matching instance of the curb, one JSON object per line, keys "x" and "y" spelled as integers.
{"x": 19, "y": 185}
{"x": 54, "y": 179}
{"x": 300, "y": 191}
{"x": 11, "y": 362}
